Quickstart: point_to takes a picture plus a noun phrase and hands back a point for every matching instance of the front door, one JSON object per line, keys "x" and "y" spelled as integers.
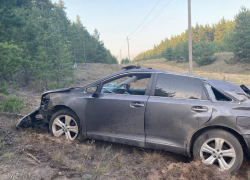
{"x": 117, "y": 114}
{"x": 174, "y": 111}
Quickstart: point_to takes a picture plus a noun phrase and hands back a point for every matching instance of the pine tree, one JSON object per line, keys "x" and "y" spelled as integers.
{"x": 169, "y": 53}
{"x": 203, "y": 53}
{"x": 10, "y": 59}
{"x": 241, "y": 36}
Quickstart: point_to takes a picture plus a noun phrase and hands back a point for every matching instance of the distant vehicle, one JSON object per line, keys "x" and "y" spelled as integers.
{"x": 185, "y": 114}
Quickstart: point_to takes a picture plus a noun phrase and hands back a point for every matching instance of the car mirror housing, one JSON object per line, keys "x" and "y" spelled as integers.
{"x": 92, "y": 89}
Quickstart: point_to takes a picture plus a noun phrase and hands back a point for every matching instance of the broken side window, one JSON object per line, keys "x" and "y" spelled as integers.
{"x": 130, "y": 85}
{"x": 219, "y": 96}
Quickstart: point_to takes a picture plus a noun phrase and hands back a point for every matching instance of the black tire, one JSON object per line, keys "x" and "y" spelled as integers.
{"x": 66, "y": 112}
{"x": 228, "y": 137}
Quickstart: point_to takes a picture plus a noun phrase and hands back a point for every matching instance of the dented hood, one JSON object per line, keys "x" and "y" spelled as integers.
{"x": 59, "y": 90}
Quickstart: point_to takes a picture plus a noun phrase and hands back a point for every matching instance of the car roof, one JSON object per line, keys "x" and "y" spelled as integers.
{"x": 149, "y": 70}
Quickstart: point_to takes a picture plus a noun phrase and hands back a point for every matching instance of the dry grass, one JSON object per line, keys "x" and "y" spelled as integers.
{"x": 238, "y": 73}
{"x": 118, "y": 160}
{"x": 151, "y": 157}
{"x": 91, "y": 72}
{"x": 8, "y": 155}
{"x": 80, "y": 169}
{"x": 103, "y": 164}
{"x": 59, "y": 157}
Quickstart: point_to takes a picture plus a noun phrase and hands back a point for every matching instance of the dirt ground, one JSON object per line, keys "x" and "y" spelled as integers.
{"x": 34, "y": 154}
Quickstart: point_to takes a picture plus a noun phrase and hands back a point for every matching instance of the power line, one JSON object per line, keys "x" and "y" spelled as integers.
{"x": 145, "y": 17}
{"x": 152, "y": 19}
{"x": 141, "y": 22}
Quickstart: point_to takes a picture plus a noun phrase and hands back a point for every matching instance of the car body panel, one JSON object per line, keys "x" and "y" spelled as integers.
{"x": 178, "y": 121}
{"x": 111, "y": 115}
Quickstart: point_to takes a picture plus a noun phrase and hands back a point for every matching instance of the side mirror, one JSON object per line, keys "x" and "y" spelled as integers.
{"x": 91, "y": 89}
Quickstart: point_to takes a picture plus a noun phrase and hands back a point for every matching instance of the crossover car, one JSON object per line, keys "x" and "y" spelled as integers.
{"x": 181, "y": 113}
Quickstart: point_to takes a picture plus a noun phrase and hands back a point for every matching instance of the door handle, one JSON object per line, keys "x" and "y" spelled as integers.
{"x": 199, "y": 109}
{"x": 136, "y": 104}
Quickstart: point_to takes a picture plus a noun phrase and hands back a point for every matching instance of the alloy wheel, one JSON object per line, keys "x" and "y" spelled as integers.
{"x": 65, "y": 125}
{"x": 219, "y": 152}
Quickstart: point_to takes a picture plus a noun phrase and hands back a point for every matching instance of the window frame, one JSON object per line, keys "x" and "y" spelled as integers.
{"x": 202, "y": 84}
{"x": 149, "y": 86}
{"x": 209, "y": 87}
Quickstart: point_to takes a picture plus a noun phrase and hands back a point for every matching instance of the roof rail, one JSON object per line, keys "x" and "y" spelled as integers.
{"x": 131, "y": 67}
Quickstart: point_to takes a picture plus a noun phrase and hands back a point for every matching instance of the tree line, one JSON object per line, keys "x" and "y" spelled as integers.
{"x": 224, "y": 36}
{"x": 38, "y": 42}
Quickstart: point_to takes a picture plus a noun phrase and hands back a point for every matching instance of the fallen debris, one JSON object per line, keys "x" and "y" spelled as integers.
{"x": 33, "y": 157}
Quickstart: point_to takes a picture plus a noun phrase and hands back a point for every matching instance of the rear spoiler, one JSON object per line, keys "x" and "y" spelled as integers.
{"x": 245, "y": 89}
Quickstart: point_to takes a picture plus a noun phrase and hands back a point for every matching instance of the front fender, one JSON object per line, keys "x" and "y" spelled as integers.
{"x": 76, "y": 102}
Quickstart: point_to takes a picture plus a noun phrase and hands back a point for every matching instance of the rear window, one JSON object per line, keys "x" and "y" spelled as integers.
{"x": 181, "y": 87}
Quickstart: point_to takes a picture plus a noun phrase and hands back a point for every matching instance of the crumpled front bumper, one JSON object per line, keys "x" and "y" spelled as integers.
{"x": 31, "y": 120}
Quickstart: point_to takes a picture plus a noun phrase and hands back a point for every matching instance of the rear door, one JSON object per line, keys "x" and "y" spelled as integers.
{"x": 117, "y": 115}
{"x": 177, "y": 105}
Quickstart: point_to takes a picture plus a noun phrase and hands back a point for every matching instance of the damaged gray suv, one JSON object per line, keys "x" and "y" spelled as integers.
{"x": 204, "y": 118}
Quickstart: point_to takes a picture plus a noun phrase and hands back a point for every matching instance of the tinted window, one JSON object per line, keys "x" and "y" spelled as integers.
{"x": 178, "y": 87}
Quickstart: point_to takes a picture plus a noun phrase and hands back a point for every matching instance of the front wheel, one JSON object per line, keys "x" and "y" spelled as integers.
{"x": 220, "y": 148}
{"x": 65, "y": 123}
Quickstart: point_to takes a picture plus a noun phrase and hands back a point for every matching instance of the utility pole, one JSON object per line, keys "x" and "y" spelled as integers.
{"x": 128, "y": 50}
{"x": 120, "y": 56}
{"x": 84, "y": 54}
{"x": 190, "y": 39}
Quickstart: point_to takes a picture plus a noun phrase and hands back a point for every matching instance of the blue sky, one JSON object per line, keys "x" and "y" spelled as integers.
{"x": 116, "y": 19}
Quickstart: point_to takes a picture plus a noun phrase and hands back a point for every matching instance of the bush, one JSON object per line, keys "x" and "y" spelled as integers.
{"x": 125, "y": 61}
{"x": 3, "y": 90}
{"x": 7, "y": 88}
{"x": 13, "y": 105}
{"x": 204, "y": 52}
{"x": 202, "y": 61}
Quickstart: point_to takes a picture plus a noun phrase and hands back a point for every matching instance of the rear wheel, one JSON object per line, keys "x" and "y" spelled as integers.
{"x": 65, "y": 123}
{"x": 220, "y": 148}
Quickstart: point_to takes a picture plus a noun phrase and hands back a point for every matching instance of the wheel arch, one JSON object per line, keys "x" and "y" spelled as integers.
{"x": 60, "y": 107}
{"x": 204, "y": 129}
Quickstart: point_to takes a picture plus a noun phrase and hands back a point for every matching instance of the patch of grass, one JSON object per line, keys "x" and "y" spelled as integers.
{"x": 136, "y": 151}
{"x": 80, "y": 169}
{"x": 118, "y": 161}
{"x": 2, "y": 145}
{"x": 133, "y": 176}
{"x": 3, "y": 90}
{"x": 151, "y": 157}
{"x": 7, "y": 88}
{"x": 8, "y": 155}
{"x": 14, "y": 105}
{"x": 103, "y": 167}
{"x": 119, "y": 164}
{"x": 59, "y": 158}
{"x": 91, "y": 143}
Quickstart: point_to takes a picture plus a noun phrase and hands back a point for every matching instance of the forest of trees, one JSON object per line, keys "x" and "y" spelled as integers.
{"x": 225, "y": 36}
{"x": 125, "y": 61}
{"x": 38, "y": 42}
